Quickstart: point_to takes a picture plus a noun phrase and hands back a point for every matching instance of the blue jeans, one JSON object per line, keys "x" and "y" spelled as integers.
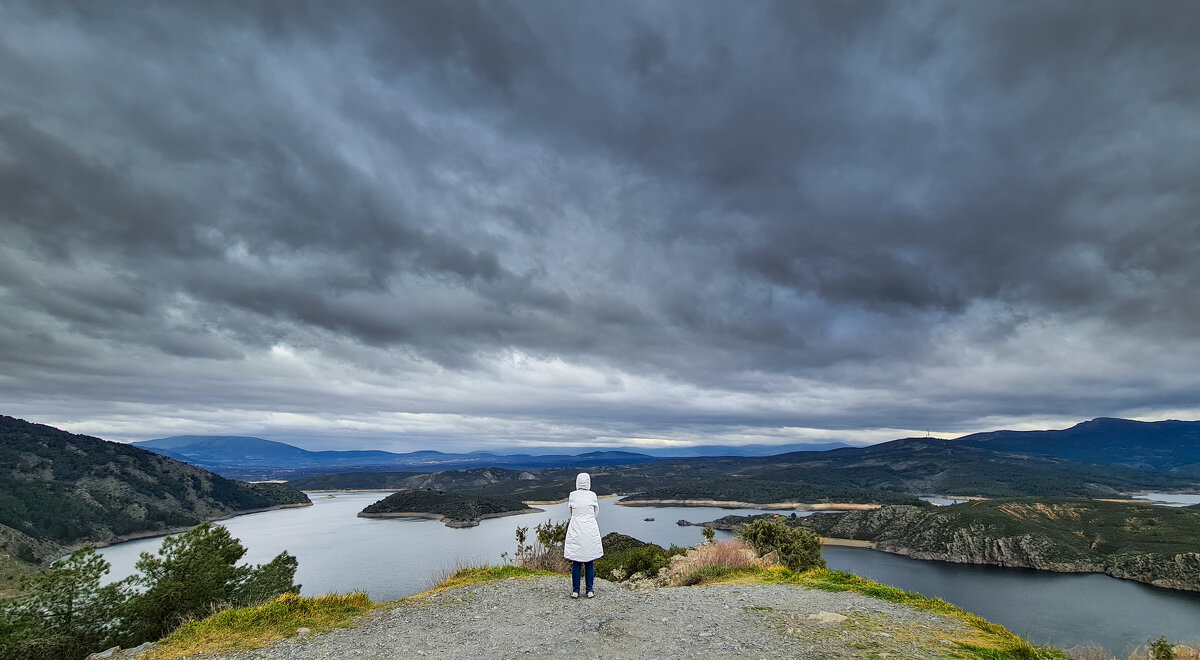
{"x": 591, "y": 575}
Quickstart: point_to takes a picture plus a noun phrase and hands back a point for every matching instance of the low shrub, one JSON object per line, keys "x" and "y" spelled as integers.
{"x": 796, "y": 547}
{"x": 625, "y": 556}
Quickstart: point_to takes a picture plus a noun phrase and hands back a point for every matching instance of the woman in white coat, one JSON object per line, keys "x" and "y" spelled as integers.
{"x": 583, "y": 545}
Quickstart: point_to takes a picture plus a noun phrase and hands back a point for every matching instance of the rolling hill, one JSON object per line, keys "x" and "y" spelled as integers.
{"x": 1168, "y": 445}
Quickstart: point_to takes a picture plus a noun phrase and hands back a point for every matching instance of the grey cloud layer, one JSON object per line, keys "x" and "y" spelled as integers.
{"x": 938, "y": 214}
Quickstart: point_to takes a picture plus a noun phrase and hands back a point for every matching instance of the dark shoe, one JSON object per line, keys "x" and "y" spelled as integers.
{"x": 591, "y": 594}
{"x": 574, "y": 594}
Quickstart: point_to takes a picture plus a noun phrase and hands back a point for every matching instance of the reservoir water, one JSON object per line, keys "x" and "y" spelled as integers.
{"x": 391, "y": 558}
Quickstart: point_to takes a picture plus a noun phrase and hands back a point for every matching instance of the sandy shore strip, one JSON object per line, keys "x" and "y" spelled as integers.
{"x": 846, "y": 543}
{"x": 769, "y": 506}
{"x": 563, "y": 500}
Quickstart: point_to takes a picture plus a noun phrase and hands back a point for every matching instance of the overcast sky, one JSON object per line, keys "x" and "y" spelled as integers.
{"x": 453, "y": 225}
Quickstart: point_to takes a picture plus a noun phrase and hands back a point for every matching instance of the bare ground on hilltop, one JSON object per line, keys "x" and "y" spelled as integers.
{"x": 535, "y": 618}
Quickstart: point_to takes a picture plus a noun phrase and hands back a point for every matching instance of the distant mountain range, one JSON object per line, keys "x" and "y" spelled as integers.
{"x": 738, "y": 450}
{"x": 256, "y": 458}
{"x": 1171, "y": 447}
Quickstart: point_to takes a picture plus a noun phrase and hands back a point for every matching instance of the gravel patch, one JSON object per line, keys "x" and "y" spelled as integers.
{"x": 535, "y": 618}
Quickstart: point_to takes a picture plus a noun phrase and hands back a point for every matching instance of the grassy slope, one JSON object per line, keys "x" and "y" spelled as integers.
{"x": 262, "y": 625}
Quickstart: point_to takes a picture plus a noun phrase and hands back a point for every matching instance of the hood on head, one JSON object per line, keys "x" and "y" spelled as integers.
{"x": 583, "y": 481}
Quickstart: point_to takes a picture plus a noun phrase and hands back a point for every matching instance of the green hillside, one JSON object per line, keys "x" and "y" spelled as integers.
{"x": 58, "y": 489}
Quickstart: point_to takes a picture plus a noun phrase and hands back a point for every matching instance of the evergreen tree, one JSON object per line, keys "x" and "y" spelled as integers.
{"x": 197, "y": 572}
{"x": 66, "y": 613}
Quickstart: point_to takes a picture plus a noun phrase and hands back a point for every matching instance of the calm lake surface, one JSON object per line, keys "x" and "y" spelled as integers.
{"x": 391, "y": 558}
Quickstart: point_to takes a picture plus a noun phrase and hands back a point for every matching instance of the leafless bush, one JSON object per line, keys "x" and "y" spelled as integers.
{"x": 546, "y": 552}
{"x": 1088, "y": 652}
{"x": 543, "y": 558}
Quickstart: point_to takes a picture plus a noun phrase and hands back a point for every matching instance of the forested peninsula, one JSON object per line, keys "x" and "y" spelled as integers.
{"x": 453, "y": 509}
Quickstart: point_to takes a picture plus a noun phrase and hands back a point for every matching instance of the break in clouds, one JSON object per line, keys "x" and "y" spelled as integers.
{"x": 457, "y": 225}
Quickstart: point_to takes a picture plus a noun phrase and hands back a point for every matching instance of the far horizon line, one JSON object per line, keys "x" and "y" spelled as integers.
{"x": 659, "y": 451}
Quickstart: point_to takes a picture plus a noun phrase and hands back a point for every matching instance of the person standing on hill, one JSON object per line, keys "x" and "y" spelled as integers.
{"x": 583, "y": 545}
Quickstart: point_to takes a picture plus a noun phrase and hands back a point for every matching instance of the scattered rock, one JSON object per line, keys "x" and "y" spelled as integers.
{"x": 103, "y": 655}
{"x": 303, "y": 632}
{"x": 823, "y": 617}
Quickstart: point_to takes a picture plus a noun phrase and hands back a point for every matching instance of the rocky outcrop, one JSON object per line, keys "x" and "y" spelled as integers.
{"x": 1180, "y": 571}
{"x": 1053, "y": 537}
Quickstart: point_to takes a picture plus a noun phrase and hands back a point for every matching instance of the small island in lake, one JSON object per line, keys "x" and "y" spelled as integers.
{"x": 451, "y": 508}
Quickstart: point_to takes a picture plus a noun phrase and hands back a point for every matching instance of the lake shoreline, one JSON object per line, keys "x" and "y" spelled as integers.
{"x": 453, "y": 524}
{"x": 1081, "y": 567}
{"x": 149, "y": 534}
{"x": 770, "y": 506}
{"x": 353, "y": 490}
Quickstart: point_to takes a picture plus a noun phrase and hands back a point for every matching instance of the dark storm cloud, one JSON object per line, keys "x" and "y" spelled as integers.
{"x": 682, "y": 216}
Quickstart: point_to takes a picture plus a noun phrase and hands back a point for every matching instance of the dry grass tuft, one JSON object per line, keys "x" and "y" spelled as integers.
{"x": 730, "y": 553}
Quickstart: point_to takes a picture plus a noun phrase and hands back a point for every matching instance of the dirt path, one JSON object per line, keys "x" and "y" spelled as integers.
{"x": 535, "y": 618}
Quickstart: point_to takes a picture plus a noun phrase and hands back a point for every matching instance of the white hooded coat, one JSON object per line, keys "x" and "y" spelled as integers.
{"x": 583, "y": 534}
